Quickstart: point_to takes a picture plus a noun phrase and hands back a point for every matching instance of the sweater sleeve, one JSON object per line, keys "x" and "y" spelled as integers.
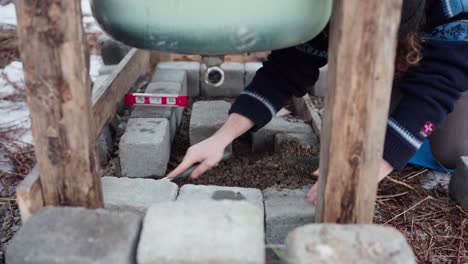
{"x": 430, "y": 92}
{"x": 287, "y": 72}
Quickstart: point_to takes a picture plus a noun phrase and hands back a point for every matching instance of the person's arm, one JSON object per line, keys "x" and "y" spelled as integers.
{"x": 430, "y": 91}
{"x": 287, "y": 72}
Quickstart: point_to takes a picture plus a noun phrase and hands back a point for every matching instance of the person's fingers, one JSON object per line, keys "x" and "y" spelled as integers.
{"x": 312, "y": 194}
{"x": 316, "y": 173}
{"x": 183, "y": 166}
{"x": 202, "y": 168}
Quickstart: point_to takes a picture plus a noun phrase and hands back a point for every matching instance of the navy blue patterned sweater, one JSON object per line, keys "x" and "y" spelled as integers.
{"x": 430, "y": 89}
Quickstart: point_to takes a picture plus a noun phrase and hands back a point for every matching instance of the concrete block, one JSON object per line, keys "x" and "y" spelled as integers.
{"x": 104, "y": 146}
{"x": 76, "y": 235}
{"x": 192, "y": 68}
{"x": 169, "y": 88}
{"x": 112, "y": 51}
{"x": 304, "y": 139}
{"x": 233, "y": 81}
{"x": 145, "y": 147}
{"x": 285, "y": 210}
{"x": 171, "y": 76}
{"x": 136, "y": 194}
{"x": 218, "y": 193}
{"x": 107, "y": 69}
{"x": 195, "y": 232}
{"x": 458, "y": 187}
{"x": 348, "y": 244}
{"x": 207, "y": 117}
{"x": 251, "y": 69}
{"x": 168, "y": 113}
{"x": 321, "y": 86}
{"x": 264, "y": 139}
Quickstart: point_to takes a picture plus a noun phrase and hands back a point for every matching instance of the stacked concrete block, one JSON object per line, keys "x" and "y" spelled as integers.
{"x": 219, "y": 193}
{"x": 264, "y": 139}
{"x": 321, "y": 86}
{"x": 207, "y": 117}
{"x": 104, "y": 146}
{"x": 112, "y": 51}
{"x": 168, "y": 113}
{"x": 233, "y": 81}
{"x": 202, "y": 232}
{"x": 75, "y": 235}
{"x": 171, "y": 76}
{"x": 136, "y": 194}
{"x": 251, "y": 69}
{"x": 284, "y": 211}
{"x": 192, "y": 69}
{"x": 145, "y": 147}
{"x": 348, "y": 244}
{"x": 458, "y": 187}
{"x": 304, "y": 139}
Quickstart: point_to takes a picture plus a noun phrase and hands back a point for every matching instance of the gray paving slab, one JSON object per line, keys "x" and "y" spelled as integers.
{"x": 330, "y": 244}
{"x": 192, "y": 69}
{"x": 136, "y": 194}
{"x": 145, "y": 147}
{"x": 75, "y": 236}
{"x": 195, "y": 232}
{"x": 264, "y": 139}
{"x": 286, "y": 209}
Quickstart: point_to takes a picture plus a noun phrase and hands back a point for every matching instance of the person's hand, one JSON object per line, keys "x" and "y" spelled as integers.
{"x": 385, "y": 170}
{"x": 208, "y": 153}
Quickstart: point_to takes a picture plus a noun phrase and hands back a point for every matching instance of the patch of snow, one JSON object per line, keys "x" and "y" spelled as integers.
{"x": 435, "y": 178}
{"x": 8, "y": 14}
{"x": 95, "y": 64}
{"x": 11, "y": 75}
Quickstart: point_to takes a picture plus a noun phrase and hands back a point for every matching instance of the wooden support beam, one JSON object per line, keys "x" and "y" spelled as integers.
{"x": 107, "y": 98}
{"x": 363, "y": 40}
{"x": 29, "y": 195}
{"x": 53, "y": 52}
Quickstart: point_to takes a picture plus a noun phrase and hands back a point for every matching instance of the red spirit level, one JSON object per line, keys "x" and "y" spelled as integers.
{"x": 156, "y": 99}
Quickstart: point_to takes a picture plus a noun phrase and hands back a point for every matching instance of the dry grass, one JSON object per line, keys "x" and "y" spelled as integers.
{"x": 433, "y": 224}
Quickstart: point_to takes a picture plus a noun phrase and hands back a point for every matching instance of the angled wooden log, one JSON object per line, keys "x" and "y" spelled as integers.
{"x": 363, "y": 41}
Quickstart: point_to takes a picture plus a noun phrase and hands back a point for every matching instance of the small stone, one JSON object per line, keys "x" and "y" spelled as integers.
{"x": 233, "y": 81}
{"x": 285, "y": 210}
{"x": 264, "y": 139}
{"x": 76, "y": 235}
{"x": 202, "y": 232}
{"x": 192, "y": 69}
{"x": 145, "y": 147}
{"x": 458, "y": 187}
{"x": 136, "y": 194}
{"x": 348, "y": 244}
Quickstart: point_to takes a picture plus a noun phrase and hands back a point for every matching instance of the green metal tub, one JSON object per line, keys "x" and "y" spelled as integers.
{"x": 212, "y": 27}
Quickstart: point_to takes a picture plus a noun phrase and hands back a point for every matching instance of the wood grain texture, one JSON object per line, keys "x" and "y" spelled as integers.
{"x": 361, "y": 68}
{"x": 29, "y": 195}
{"x": 307, "y": 111}
{"x": 107, "y": 98}
{"x": 53, "y": 52}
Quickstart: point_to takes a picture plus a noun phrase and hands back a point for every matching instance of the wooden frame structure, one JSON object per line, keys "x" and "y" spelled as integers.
{"x": 66, "y": 119}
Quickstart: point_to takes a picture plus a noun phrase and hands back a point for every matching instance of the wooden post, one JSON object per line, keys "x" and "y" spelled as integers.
{"x": 361, "y": 66}
{"x": 52, "y": 47}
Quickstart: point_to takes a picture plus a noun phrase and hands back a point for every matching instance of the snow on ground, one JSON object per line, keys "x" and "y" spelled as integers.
{"x": 8, "y": 16}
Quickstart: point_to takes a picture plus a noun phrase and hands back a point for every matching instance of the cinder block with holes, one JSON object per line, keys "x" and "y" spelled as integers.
{"x": 145, "y": 147}
{"x": 233, "y": 81}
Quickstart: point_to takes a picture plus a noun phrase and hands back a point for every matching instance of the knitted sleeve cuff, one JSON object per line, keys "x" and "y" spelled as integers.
{"x": 255, "y": 107}
{"x": 400, "y": 145}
